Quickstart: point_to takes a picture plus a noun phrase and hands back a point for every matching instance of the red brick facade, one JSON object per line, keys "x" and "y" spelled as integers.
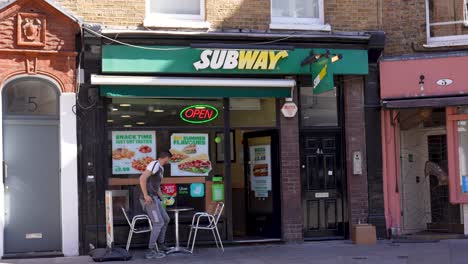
{"x": 37, "y": 39}
{"x": 291, "y": 199}
{"x": 342, "y": 15}
{"x": 358, "y": 198}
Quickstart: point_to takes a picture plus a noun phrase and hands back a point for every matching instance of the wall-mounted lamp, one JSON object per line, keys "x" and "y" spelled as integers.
{"x": 313, "y": 58}
{"x": 421, "y": 82}
{"x": 336, "y": 58}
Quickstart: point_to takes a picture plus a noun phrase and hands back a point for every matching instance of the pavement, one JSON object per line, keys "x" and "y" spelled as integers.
{"x": 324, "y": 252}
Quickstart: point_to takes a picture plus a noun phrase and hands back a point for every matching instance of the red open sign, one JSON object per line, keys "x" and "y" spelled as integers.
{"x": 197, "y": 114}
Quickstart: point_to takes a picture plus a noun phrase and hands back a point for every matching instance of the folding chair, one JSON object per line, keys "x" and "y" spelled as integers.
{"x": 211, "y": 225}
{"x": 137, "y": 230}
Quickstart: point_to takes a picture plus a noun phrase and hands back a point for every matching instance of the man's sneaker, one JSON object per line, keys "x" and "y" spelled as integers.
{"x": 163, "y": 248}
{"x": 160, "y": 255}
{"x": 153, "y": 254}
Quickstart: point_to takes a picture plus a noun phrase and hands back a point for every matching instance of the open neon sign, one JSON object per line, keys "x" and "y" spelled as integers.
{"x": 198, "y": 114}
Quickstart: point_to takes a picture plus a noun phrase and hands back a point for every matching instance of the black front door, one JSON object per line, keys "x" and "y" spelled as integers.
{"x": 262, "y": 182}
{"x": 323, "y": 185}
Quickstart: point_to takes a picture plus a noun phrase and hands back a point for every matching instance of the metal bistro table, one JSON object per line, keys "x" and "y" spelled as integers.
{"x": 177, "y": 248}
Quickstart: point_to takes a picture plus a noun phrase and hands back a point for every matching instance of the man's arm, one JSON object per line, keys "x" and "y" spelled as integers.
{"x": 160, "y": 194}
{"x": 143, "y": 180}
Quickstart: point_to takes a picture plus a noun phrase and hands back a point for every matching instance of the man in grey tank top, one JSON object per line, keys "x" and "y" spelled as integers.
{"x": 151, "y": 199}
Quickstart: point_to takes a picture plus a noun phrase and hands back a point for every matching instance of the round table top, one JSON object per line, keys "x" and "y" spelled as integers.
{"x": 179, "y": 209}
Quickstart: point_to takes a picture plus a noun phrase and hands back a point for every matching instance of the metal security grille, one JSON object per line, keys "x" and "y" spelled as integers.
{"x": 441, "y": 209}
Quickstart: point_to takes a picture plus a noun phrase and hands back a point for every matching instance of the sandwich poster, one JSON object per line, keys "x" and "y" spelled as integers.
{"x": 132, "y": 151}
{"x": 260, "y": 170}
{"x": 190, "y": 155}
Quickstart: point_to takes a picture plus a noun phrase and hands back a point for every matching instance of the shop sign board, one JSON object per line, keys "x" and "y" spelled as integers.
{"x": 187, "y": 60}
{"x": 289, "y": 109}
{"x": 199, "y": 114}
{"x": 190, "y": 155}
{"x": 132, "y": 151}
{"x": 260, "y": 170}
{"x": 239, "y": 59}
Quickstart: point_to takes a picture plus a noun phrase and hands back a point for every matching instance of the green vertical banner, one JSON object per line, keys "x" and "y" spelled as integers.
{"x": 322, "y": 76}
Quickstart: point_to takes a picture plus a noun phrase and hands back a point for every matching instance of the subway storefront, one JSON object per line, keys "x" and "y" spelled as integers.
{"x": 260, "y": 128}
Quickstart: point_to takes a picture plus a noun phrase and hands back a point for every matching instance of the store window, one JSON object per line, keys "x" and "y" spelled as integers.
{"x": 253, "y": 112}
{"x": 167, "y": 13}
{"x": 298, "y": 14}
{"x": 457, "y": 144}
{"x": 135, "y": 113}
{"x": 462, "y": 132}
{"x": 319, "y": 110}
{"x": 463, "y": 154}
{"x": 139, "y": 129}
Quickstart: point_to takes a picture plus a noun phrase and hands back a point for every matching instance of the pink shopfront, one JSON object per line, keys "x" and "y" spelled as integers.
{"x": 425, "y": 145}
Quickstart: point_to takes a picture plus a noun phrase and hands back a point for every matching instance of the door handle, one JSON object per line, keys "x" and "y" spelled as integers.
{"x": 5, "y": 171}
{"x": 303, "y": 166}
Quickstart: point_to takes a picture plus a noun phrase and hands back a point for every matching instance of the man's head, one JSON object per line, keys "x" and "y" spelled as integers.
{"x": 164, "y": 157}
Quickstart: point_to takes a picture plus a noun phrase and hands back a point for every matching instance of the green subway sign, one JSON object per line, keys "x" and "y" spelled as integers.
{"x": 119, "y": 59}
{"x": 186, "y": 60}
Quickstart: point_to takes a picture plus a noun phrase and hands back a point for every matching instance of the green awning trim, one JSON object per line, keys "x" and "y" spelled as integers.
{"x": 195, "y": 92}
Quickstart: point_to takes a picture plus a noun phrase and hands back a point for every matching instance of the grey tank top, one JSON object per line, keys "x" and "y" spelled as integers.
{"x": 153, "y": 183}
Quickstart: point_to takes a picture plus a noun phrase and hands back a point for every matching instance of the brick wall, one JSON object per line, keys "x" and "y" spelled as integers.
{"x": 57, "y": 59}
{"x": 291, "y": 200}
{"x": 352, "y": 15}
{"x": 227, "y": 14}
{"x": 358, "y": 203}
{"x": 405, "y": 24}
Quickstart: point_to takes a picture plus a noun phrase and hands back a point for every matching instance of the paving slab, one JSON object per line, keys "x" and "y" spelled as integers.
{"x": 325, "y": 252}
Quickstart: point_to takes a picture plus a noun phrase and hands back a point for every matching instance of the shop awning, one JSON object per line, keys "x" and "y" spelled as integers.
{"x": 426, "y": 102}
{"x": 147, "y": 86}
{"x": 420, "y": 76}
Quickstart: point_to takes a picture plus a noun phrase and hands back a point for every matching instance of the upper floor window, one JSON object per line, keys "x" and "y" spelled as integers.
{"x": 175, "y": 13}
{"x": 447, "y": 22}
{"x": 298, "y": 14}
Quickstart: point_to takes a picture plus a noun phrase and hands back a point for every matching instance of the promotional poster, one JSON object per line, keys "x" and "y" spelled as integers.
{"x": 260, "y": 170}
{"x": 190, "y": 155}
{"x": 132, "y": 151}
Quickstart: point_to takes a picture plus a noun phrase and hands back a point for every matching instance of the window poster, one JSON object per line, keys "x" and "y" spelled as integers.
{"x": 132, "y": 151}
{"x": 190, "y": 155}
{"x": 260, "y": 170}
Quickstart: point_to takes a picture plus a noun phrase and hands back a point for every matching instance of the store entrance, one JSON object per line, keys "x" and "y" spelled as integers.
{"x": 426, "y": 210}
{"x": 31, "y": 153}
{"x": 257, "y": 217}
{"x": 323, "y": 185}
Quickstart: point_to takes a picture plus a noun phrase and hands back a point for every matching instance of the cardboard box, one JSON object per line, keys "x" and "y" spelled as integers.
{"x": 363, "y": 234}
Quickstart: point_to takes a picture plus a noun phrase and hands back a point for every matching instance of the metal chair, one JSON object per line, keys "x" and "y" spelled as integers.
{"x": 136, "y": 230}
{"x": 211, "y": 225}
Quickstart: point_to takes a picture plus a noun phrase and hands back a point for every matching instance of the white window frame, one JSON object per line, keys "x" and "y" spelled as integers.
{"x": 300, "y": 23}
{"x": 153, "y": 19}
{"x": 465, "y": 12}
{"x": 454, "y": 40}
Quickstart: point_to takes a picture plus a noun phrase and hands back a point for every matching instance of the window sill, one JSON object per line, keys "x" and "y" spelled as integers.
{"x": 441, "y": 44}
{"x": 447, "y": 41}
{"x": 315, "y": 27}
{"x": 176, "y": 23}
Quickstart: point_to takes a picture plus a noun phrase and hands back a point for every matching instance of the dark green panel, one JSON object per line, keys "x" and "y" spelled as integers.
{"x": 124, "y": 59}
{"x": 196, "y": 92}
